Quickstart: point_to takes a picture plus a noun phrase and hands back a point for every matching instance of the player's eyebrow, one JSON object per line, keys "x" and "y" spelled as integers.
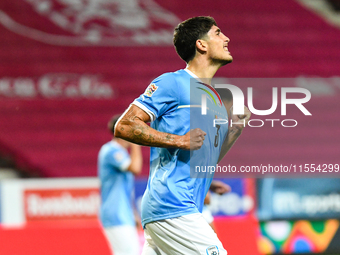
{"x": 218, "y": 30}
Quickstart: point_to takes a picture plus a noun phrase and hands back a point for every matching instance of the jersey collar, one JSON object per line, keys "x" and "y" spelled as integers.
{"x": 210, "y": 87}
{"x": 192, "y": 74}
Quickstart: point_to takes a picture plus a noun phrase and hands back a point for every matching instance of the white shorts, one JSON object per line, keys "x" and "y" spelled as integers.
{"x": 187, "y": 235}
{"x": 123, "y": 240}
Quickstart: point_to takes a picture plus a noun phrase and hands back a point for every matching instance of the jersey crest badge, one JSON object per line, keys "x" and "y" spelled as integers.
{"x": 150, "y": 90}
{"x": 212, "y": 250}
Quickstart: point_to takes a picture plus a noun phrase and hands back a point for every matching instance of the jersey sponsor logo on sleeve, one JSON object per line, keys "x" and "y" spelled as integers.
{"x": 150, "y": 90}
{"x": 212, "y": 250}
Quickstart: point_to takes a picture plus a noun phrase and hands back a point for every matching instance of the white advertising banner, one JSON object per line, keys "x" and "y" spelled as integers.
{"x": 48, "y": 199}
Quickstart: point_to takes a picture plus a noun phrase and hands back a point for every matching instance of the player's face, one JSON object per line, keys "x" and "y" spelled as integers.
{"x": 218, "y": 46}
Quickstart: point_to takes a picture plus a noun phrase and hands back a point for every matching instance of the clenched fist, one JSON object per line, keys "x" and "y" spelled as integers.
{"x": 193, "y": 140}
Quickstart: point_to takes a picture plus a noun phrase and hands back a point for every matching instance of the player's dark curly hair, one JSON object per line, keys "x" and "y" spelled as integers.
{"x": 188, "y": 32}
{"x": 112, "y": 122}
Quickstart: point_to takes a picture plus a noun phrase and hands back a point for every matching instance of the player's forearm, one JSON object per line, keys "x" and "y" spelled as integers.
{"x": 233, "y": 134}
{"x": 136, "y": 159}
{"x": 137, "y": 131}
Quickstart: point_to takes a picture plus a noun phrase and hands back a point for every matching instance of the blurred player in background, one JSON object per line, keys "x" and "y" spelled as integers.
{"x": 173, "y": 201}
{"x": 207, "y": 213}
{"x": 220, "y": 188}
{"x": 116, "y": 170}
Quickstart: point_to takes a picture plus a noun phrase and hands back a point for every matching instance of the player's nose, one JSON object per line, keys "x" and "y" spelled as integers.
{"x": 226, "y": 38}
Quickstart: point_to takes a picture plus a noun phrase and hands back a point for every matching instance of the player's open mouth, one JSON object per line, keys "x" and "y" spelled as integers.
{"x": 226, "y": 48}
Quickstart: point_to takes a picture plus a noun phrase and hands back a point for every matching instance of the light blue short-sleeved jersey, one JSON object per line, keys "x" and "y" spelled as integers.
{"x": 116, "y": 185}
{"x": 173, "y": 102}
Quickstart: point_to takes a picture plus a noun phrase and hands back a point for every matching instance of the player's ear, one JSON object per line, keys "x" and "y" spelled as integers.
{"x": 201, "y": 45}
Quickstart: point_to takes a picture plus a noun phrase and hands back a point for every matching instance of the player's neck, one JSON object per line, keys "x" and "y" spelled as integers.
{"x": 203, "y": 68}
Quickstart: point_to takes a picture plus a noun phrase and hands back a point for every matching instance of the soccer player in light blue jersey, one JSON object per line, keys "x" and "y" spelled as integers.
{"x": 182, "y": 140}
{"x": 116, "y": 170}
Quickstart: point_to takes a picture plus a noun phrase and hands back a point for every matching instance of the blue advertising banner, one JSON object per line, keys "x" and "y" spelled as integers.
{"x": 233, "y": 203}
{"x": 140, "y": 186}
{"x": 308, "y": 198}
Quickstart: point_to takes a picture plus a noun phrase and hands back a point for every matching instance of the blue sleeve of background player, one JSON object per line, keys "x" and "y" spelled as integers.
{"x": 160, "y": 96}
{"x": 119, "y": 159}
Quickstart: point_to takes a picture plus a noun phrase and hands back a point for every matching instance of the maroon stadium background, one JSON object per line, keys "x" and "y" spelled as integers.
{"x": 66, "y": 68}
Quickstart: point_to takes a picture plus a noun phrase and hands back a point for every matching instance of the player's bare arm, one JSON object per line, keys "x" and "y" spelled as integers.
{"x": 136, "y": 159}
{"x": 133, "y": 128}
{"x": 219, "y": 187}
{"x": 235, "y": 131}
